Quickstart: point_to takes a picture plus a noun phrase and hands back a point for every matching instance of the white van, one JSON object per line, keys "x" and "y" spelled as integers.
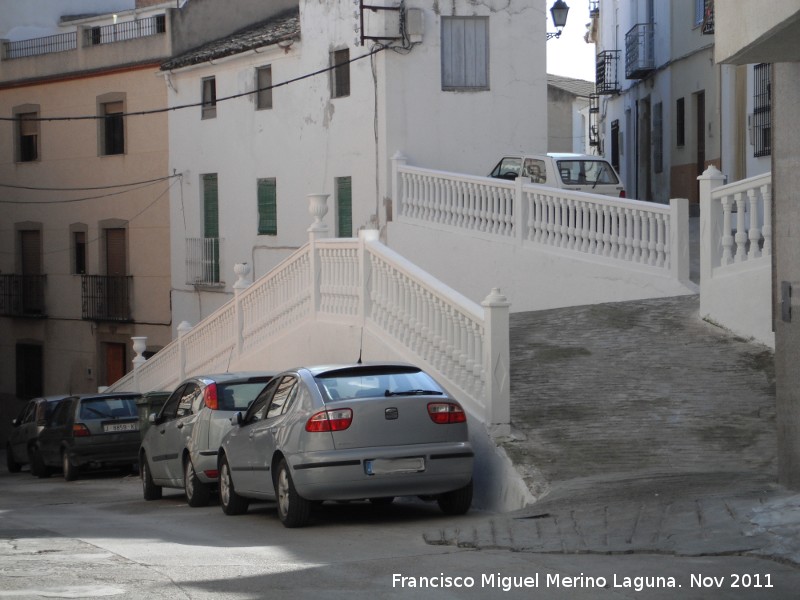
{"x": 580, "y": 172}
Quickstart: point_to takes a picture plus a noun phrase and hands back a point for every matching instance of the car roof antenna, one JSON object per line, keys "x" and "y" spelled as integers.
{"x": 360, "y": 345}
{"x": 228, "y": 366}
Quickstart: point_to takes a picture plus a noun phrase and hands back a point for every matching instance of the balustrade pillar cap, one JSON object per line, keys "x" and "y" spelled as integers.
{"x": 495, "y": 298}
{"x": 399, "y": 156}
{"x": 184, "y": 327}
{"x": 712, "y": 172}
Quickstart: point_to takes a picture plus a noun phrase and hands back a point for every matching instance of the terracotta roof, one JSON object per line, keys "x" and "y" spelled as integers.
{"x": 579, "y": 87}
{"x": 285, "y": 26}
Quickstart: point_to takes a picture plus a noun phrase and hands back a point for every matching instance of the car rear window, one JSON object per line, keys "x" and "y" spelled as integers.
{"x": 238, "y": 396}
{"x": 345, "y": 385}
{"x": 107, "y": 408}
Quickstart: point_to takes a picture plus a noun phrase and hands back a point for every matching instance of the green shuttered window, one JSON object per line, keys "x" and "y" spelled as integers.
{"x": 267, "y": 207}
{"x": 344, "y": 207}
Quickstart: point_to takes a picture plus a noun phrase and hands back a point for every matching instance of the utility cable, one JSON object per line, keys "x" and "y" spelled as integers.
{"x": 201, "y": 103}
{"x": 85, "y": 189}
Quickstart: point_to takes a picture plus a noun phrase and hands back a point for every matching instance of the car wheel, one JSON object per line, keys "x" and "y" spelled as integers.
{"x": 70, "y": 470}
{"x": 13, "y": 466}
{"x": 293, "y": 509}
{"x": 197, "y": 492}
{"x": 456, "y": 502}
{"x": 231, "y": 502}
{"x": 38, "y": 468}
{"x": 150, "y": 490}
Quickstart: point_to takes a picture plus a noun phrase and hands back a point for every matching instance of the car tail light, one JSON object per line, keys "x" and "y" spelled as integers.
{"x": 444, "y": 413}
{"x": 213, "y": 473}
{"x": 210, "y": 396}
{"x": 330, "y": 420}
{"x": 622, "y": 194}
{"x": 80, "y": 430}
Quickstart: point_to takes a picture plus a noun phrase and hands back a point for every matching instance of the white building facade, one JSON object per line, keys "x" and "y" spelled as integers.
{"x": 453, "y": 92}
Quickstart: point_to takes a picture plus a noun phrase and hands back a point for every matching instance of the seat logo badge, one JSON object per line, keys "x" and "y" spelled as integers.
{"x": 391, "y": 414}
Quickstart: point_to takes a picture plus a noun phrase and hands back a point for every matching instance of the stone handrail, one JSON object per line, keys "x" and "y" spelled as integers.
{"x": 353, "y": 282}
{"x": 641, "y": 235}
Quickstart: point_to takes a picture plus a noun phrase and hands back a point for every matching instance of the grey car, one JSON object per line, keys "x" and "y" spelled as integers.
{"x": 179, "y": 449}
{"x": 343, "y": 433}
{"x": 26, "y": 428}
{"x": 89, "y": 431}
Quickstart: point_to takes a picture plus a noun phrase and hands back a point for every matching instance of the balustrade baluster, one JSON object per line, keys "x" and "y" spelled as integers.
{"x": 613, "y": 214}
{"x": 741, "y": 229}
{"x": 727, "y": 231}
{"x": 606, "y": 231}
{"x": 660, "y": 240}
{"x": 651, "y": 240}
{"x": 766, "y": 231}
{"x": 628, "y": 235}
{"x": 754, "y": 233}
{"x": 558, "y": 222}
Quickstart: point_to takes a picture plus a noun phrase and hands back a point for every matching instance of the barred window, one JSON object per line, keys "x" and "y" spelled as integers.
{"x": 762, "y": 110}
{"x": 658, "y": 137}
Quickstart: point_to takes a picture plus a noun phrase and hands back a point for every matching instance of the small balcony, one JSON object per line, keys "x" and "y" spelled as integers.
{"x": 594, "y": 113}
{"x": 606, "y": 72}
{"x": 202, "y": 261}
{"x": 22, "y": 295}
{"x": 106, "y": 297}
{"x": 639, "y": 51}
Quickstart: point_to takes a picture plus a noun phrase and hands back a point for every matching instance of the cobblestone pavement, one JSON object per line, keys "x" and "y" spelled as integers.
{"x": 641, "y": 428}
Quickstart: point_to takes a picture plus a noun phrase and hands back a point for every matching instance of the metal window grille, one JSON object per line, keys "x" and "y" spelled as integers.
{"x": 202, "y": 261}
{"x": 606, "y": 72}
{"x": 22, "y": 295}
{"x": 762, "y": 110}
{"x": 106, "y": 297}
{"x": 127, "y": 30}
{"x": 680, "y": 122}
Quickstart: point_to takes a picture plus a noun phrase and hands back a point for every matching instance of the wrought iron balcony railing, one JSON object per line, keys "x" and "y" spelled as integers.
{"x": 202, "y": 261}
{"x": 606, "y": 72}
{"x": 106, "y": 297}
{"x": 639, "y": 51}
{"x": 92, "y": 36}
{"x": 22, "y": 295}
{"x": 127, "y": 30}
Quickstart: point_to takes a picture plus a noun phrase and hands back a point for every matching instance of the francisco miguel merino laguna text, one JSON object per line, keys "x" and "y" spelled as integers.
{"x": 509, "y": 582}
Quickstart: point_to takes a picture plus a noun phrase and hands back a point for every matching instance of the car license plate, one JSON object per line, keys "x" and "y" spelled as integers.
{"x": 116, "y": 427}
{"x": 385, "y": 466}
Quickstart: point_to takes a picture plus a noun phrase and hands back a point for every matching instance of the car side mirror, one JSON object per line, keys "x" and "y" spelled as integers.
{"x": 152, "y": 418}
{"x": 15, "y": 422}
{"x": 237, "y": 419}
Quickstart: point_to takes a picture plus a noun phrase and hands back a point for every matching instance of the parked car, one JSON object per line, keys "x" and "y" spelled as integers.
{"x": 26, "y": 428}
{"x": 88, "y": 431}
{"x": 180, "y": 447}
{"x": 347, "y": 433}
{"x": 579, "y": 172}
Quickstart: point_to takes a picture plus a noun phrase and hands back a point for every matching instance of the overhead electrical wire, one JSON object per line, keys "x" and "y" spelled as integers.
{"x": 86, "y": 189}
{"x": 375, "y": 50}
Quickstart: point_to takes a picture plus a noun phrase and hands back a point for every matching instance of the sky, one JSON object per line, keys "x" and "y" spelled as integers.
{"x": 570, "y": 55}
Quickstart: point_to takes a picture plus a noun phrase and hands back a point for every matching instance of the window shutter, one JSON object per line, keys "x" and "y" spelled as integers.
{"x": 267, "y": 207}
{"x": 465, "y": 53}
{"x": 115, "y": 252}
{"x": 210, "y": 207}
{"x": 30, "y": 242}
{"x": 344, "y": 207}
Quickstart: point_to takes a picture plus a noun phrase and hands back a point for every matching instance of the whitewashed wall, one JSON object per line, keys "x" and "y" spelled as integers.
{"x": 308, "y": 139}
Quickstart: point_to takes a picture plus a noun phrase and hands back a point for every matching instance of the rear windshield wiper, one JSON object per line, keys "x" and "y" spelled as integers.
{"x": 388, "y": 393}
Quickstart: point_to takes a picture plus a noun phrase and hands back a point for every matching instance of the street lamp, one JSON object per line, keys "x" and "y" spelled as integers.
{"x": 559, "y": 12}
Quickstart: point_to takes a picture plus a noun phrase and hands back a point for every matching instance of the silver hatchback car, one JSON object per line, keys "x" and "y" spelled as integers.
{"x": 347, "y": 433}
{"x": 179, "y": 449}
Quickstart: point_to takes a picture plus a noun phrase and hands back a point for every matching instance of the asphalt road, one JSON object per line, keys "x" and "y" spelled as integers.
{"x": 96, "y": 537}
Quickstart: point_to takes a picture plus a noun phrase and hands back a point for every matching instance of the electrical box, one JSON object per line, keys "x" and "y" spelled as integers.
{"x": 415, "y": 26}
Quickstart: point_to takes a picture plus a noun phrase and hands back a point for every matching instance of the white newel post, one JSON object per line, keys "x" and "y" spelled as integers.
{"x": 398, "y": 160}
{"x": 139, "y": 346}
{"x": 496, "y": 361}
{"x": 317, "y": 208}
{"x": 520, "y": 211}
{"x": 184, "y": 328}
{"x": 243, "y": 281}
{"x": 710, "y": 222}
{"x": 364, "y": 236}
{"x": 679, "y": 238}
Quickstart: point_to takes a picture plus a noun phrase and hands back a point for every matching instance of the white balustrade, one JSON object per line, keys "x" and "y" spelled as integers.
{"x": 622, "y": 230}
{"x": 361, "y": 281}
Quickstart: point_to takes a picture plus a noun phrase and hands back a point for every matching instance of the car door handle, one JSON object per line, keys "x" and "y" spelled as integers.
{"x": 180, "y": 425}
